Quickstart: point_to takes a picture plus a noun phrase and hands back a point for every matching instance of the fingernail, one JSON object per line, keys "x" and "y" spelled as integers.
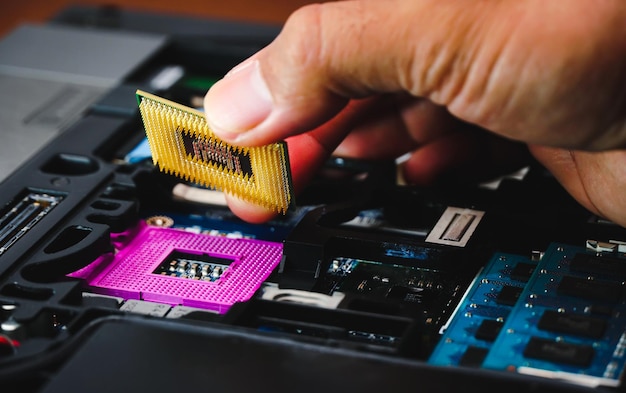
{"x": 238, "y": 102}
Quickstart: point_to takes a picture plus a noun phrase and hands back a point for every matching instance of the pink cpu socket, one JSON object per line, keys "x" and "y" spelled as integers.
{"x": 182, "y": 268}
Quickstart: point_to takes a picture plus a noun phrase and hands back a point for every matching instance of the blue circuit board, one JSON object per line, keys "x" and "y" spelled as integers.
{"x": 222, "y": 222}
{"x": 567, "y": 324}
{"x": 140, "y": 153}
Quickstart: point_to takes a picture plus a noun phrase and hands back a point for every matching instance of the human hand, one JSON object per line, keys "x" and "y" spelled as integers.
{"x": 425, "y": 75}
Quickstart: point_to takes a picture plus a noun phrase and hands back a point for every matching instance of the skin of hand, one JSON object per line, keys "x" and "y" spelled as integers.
{"x": 460, "y": 84}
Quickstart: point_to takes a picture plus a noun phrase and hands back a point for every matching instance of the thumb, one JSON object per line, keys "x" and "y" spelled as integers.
{"x": 330, "y": 53}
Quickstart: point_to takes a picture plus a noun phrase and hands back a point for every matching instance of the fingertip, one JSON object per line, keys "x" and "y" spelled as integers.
{"x": 307, "y": 153}
{"x": 450, "y": 156}
{"x": 248, "y": 212}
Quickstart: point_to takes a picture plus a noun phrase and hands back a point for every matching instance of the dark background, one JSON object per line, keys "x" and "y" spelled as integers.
{"x": 14, "y": 13}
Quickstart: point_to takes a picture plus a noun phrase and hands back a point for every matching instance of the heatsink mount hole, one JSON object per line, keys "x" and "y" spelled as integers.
{"x": 103, "y": 205}
{"x": 69, "y": 237}
{"x": 27, "y": 292}
{"x": 70, "y": 165}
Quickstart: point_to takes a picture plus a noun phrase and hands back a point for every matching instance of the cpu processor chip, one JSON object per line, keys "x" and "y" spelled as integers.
{"x": 183, "y": 145}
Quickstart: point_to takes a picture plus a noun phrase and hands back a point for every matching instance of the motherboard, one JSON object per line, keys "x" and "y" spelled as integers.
{"x": 509, "y": 283}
